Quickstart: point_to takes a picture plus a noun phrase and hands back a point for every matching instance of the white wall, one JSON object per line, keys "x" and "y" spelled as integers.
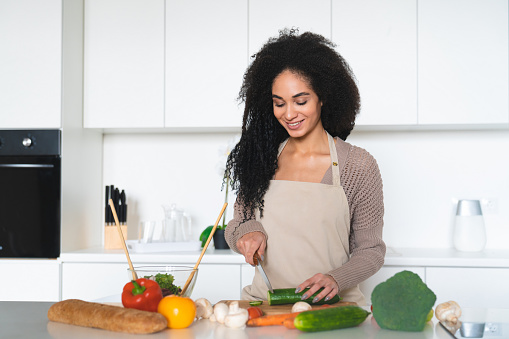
{"x": 157, "y": 169}
{"x": 423, "y": 172}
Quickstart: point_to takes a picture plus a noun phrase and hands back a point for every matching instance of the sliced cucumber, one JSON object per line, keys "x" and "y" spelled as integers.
{"x": 255, "y": 303}
{"x": 282, "y": 296}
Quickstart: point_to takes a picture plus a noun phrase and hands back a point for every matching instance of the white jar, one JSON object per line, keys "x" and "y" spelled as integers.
{"x": 469, "y": 230}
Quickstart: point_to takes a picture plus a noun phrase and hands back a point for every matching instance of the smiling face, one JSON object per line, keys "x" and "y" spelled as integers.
{"x": 296, "y": 106}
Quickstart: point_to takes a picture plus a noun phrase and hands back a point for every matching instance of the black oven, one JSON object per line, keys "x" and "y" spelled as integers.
{"x": 30, "y": 193}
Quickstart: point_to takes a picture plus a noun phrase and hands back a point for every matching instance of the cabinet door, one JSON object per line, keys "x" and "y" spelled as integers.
{"x": 470, "y": 287}
{"x": 463, "y": 69}
{"x": 217, "y": 282}
{"x": 247, "y": 276}
{"x": 92, "y": 281}
{"x": 378, "y": 38}
{"x": 206, "y": 56}
{"x": 30, "y": 280}
{"x": 382, "y": 275}
{"x": 30, "y": 63}
{"x": 267, "y": 17}
{"x": 124, "y": 63}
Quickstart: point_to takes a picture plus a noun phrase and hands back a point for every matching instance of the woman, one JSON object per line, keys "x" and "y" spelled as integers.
{"x": 310, "y": 204}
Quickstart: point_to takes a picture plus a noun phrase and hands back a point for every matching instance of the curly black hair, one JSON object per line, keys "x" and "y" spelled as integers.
{"x": 253, "y": 162}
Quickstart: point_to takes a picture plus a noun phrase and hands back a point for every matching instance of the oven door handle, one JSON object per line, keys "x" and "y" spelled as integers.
{"x": 27, "y": 165}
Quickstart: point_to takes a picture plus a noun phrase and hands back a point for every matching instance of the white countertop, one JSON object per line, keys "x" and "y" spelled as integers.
{"x": 34, "y": 324}
{"x": 394, "y": 257}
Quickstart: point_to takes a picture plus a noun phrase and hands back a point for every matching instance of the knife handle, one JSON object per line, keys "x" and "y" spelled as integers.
{"x": 256, "y": 258}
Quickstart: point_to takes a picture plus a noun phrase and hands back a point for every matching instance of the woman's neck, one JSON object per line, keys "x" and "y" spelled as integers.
{"x": 314, "y": 142}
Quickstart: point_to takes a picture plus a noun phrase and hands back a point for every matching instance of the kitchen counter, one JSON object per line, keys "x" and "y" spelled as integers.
{"x": 394, "y": 257}
{"x": 29, "y": 320}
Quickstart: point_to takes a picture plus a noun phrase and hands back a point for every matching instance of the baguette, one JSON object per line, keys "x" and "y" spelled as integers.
{"x": 106, "y": 317}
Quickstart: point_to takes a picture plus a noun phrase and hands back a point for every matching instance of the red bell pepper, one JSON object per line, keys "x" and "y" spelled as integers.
{"x": 254, "y": 312}
{"x": 142, "y": 294}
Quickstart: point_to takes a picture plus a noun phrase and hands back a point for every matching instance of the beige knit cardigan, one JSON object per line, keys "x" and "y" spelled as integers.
{"x": 362, "y": 183}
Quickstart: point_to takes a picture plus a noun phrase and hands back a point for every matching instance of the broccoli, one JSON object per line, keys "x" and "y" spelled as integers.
{"x": 165, "y": 281}
{"x": 402, "y": 303}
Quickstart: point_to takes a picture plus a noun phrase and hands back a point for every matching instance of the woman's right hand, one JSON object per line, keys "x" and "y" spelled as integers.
{"x": 251, "y": 243}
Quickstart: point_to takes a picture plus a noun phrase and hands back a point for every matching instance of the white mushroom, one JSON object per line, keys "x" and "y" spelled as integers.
{"x": 212, "y": 318}
{"x": 204, "y": 308}
{"x": 449, "y": 311}
{"x": 220, "y": 312}
{"x": 301, "y": 306}
{"x": 237, "y": 317}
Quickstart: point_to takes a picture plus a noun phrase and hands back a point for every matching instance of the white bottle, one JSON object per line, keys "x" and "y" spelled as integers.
{"x": 469, "y": 230}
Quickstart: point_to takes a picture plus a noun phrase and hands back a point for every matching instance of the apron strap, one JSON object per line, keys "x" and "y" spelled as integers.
{"x": 334, "y": 159}
{"x": 281, "y": 146}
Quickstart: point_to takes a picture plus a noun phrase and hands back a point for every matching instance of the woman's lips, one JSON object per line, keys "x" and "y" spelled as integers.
{"x": 294, "y": 125}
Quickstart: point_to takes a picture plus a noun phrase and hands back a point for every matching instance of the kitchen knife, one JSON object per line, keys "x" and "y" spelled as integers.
{"x": 451, "y": 330}
{"x": 123, "y": 208}
{"x": 258, "y": 262}
{"x": 107, "y": 210}
{"x": 467, "y": 329}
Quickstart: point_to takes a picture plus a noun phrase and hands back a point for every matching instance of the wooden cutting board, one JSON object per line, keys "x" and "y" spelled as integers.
{"x": 280, "y": 309}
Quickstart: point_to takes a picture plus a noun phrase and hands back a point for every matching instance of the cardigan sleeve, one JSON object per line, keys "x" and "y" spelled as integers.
{"x": 363, "y": 187}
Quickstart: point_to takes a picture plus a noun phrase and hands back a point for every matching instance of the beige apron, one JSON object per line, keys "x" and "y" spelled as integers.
{"x": 308, "y": 225}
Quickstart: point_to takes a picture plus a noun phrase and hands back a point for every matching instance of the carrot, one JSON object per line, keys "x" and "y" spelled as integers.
{"x": 271, "y": 320}
{"x": 289, "y": 323}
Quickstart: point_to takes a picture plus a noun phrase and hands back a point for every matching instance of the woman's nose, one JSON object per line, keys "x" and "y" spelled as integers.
{"x": 290, "y": 113}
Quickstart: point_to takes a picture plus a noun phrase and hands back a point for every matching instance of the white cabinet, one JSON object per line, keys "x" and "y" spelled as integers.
{"x": 378, "y": 38}
{"x": 218, "y": 282}
{"x": 30, "y": 280}
{"x": 470, "y": 287}
{"x": 383, "y": 274}
{"x": 267, "y": 17}
{"x": 124, "y": 63}
{"x": 248, "y": 273}
{"x": 91, "y": 281}
{"x": 30, "y": 63}
{"x": 463, "y": 69}
{"x": 206, "y": 57}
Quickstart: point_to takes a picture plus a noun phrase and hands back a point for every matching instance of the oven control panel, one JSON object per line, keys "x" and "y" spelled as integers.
{"x": 30, "y": 142}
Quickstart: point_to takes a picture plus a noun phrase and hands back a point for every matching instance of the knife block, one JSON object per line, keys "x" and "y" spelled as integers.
{"x": 112, "y": 240}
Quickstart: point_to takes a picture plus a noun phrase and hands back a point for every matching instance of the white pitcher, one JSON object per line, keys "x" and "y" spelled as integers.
{"x": 176, "y": 225}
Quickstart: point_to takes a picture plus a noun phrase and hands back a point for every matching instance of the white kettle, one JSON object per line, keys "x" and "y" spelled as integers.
{"x": 469, "y": 230}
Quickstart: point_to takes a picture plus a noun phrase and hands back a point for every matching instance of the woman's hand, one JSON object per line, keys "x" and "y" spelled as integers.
{"x": 319, "y": 280}
{"x": 250, "y": 243}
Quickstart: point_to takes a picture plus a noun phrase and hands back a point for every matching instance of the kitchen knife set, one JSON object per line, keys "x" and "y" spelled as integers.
{"x": 119, "y": 201}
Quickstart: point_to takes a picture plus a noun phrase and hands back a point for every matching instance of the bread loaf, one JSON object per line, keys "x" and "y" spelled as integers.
{"x": 106, "y": 317}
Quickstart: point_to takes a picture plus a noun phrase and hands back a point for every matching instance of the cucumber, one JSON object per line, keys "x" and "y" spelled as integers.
{"x": 330, "y": 318}
{"x": 282, "y": 296}
{"x": 255, "y": 303}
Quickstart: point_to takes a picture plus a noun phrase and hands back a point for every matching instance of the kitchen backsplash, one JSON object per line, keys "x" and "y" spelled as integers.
{"x": 423, "y": 173}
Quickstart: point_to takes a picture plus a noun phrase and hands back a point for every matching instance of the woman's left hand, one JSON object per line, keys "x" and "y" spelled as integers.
{"x": 319, "y": 280}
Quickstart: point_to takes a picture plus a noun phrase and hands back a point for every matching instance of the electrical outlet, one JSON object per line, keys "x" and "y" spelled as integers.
{"x": 492, "y": 329}
{"x": 489, "y": 205}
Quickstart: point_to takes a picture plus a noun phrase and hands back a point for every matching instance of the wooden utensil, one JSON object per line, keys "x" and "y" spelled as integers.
{"x": 204, "y": 249}
{"x": 122, "y": 240}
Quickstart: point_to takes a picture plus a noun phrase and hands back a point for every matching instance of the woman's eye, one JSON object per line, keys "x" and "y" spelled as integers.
{"x": 278, "y": 104}
{"x": 302, "y": 103}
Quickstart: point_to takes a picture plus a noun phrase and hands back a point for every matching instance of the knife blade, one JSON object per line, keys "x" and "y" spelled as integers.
{"x": 258, "y": 263}
{"x": 450, "y": 330}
